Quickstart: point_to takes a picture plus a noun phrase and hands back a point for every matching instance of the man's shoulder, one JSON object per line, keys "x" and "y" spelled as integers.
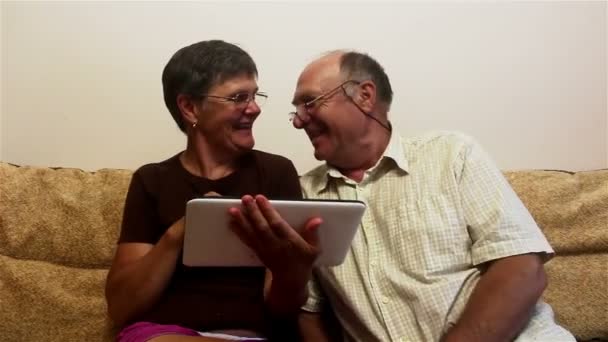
{"x": 314, "y": 179}
{"x": 434, "y": 145}
{"x": 439, "y": 139}
{"x": 318, "y": 172}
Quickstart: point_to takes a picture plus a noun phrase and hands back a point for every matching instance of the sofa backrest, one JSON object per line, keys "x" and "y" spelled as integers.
{"x": 63, "y": 216}
{"x": 571, "y": 208}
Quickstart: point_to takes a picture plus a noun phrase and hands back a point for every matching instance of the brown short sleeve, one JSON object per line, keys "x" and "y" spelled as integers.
{"x": 287, "y": 181}
{"x": 139, "y": 222}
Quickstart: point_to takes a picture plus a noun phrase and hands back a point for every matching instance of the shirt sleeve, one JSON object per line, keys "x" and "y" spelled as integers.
{"x": 316, "y": 298}
{"x": 139, "y": 222}
{"x": 498, "y": 222}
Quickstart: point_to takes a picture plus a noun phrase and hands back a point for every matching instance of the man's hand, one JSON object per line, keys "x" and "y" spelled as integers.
{"x": 280, "y": 247}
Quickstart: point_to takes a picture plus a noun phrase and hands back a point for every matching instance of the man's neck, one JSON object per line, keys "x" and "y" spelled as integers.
{"x": 366, "y": 157}
{"x": 201, "y": 160}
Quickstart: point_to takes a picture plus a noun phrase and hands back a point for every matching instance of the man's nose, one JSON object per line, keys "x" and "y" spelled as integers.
{"x": 301, "y": 120}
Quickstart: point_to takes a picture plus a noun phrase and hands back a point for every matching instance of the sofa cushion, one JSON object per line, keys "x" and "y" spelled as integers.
{"x": 570, "y": 208}
{"x": 47, "y": 302}
{"x": 578, "y": 293}
{"x": 65, "y": 216}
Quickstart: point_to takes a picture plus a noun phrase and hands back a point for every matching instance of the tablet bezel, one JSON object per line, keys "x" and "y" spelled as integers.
{"x": 341, "y": 220}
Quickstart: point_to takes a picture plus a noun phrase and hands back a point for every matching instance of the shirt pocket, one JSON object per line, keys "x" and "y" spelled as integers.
{"x": 431, "y": 237}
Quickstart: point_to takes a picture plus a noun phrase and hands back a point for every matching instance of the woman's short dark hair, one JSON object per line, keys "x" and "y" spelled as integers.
{"x": 360, "y": 67}
{"x": 194, "y": 69}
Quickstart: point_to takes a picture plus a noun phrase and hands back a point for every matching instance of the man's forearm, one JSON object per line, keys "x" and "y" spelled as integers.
{"x": 136, "y": 287}
{"x": 502, "y": 302}
{"x": 312, "y": 328}
{"x": 287, "y": 294}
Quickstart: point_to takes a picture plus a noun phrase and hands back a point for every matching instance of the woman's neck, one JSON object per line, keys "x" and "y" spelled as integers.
{"x": 202, "y": 161}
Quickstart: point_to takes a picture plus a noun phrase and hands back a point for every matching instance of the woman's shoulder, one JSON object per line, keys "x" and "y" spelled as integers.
{"x": 159, "y": 169}
{"x": 271, "y": 159}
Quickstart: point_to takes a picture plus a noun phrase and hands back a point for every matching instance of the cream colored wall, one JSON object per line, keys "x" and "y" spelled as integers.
{"x": 2, "y": 82}
{"x": 82, "y": 79}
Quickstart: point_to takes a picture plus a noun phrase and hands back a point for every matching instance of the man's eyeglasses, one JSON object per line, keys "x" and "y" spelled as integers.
{"x": 305, "y": 108}
{"x": 242, "y": 99}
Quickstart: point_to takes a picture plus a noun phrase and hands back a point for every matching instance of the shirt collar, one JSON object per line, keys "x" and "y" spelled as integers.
{"x": 394, "y": 151}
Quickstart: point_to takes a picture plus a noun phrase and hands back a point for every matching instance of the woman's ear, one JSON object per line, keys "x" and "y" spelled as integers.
{"x": 187, "y": 107}
{"x": 366, "y": 96}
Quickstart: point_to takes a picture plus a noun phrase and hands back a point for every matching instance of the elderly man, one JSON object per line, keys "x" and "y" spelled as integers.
{"x": 446, "y": 250}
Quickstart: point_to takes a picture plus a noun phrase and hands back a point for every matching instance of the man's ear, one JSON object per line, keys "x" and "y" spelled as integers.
{"x": 366, "y": 97}
{"x": 187, "y": 107}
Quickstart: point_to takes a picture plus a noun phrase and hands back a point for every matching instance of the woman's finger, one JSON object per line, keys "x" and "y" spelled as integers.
{"x": 241, "y": 227}
{"x": 276, "y": 222}
{"x": 261, "y": 226}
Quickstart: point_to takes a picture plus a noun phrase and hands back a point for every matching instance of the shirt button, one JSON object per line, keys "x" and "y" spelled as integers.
{"x": 372, "y": 264}
{"x": 385, "y": 300}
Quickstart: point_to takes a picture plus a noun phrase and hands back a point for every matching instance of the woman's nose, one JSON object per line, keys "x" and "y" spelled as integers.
{"x": 252, "y": 108}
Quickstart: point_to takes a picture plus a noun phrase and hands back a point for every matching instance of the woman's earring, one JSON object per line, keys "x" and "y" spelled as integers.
{"x": 194, "y": 124}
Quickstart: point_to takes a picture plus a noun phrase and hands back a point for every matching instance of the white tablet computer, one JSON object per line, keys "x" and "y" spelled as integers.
{"x": 209, "y": 241}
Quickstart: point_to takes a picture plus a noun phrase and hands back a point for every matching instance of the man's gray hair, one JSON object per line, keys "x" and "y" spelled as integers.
{"x": 362, "y": 67}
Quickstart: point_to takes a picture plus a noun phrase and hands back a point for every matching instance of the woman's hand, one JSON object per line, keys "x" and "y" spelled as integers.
{"x": 279, "y": 246}
{"x": 288, "y": 255}
{"x": 176, "y": 232}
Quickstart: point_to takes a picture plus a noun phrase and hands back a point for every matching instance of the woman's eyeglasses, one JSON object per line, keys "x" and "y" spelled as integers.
{"x": 242, "y": 99}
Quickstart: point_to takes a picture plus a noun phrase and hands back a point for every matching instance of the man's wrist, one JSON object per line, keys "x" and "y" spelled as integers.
{"x": 291, "y": 281}
{"x": 458, "y": 334}
{"x": 290, "y": 288}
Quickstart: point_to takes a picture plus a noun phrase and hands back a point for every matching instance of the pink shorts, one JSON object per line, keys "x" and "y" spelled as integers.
{"x": 144, "y": 331}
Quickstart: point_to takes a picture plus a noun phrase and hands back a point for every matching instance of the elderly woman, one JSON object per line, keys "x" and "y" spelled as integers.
{"x": 211, "y": 91}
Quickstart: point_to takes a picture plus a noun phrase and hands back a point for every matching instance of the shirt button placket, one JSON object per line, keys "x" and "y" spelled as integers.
{"x": 376, "y": 287}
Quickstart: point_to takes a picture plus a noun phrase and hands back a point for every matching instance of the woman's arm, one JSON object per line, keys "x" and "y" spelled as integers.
{"x": 140, "y": 273}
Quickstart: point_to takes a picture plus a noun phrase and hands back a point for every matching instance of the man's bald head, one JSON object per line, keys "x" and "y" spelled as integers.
{"x": 341, "y": 65}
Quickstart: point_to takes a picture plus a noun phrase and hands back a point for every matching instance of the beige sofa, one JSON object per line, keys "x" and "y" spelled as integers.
{"x": 58, "y": 229}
